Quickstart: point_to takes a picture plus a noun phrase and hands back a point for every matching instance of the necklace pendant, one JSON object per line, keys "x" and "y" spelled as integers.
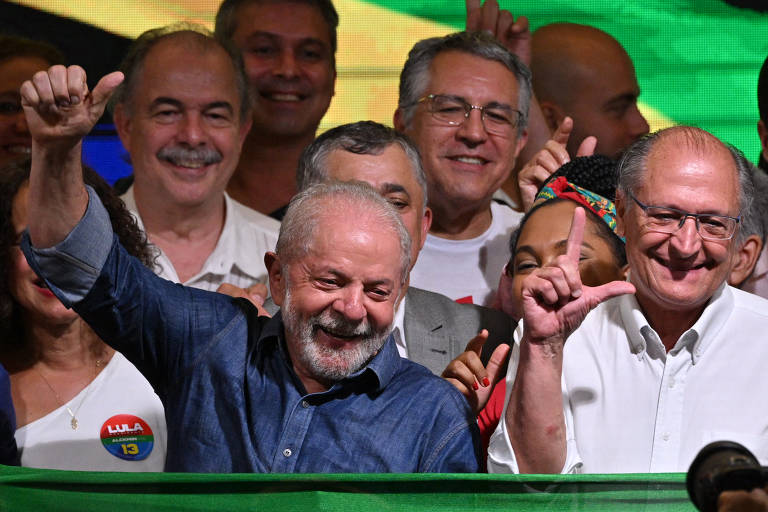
{"x": 73, "y": 423}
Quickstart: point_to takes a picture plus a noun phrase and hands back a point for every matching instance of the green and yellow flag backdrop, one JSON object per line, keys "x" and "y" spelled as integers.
{"x": 697, "y": 61}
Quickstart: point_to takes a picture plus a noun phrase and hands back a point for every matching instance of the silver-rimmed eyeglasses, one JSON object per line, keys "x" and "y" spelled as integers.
{"x": 664, "y": 219}
{"x": 497, "y": 118}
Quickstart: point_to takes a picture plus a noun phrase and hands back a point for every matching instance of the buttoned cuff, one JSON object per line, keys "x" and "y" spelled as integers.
{"x": 71, "y": 267}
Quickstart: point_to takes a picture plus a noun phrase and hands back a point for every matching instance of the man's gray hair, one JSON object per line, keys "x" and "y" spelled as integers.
{"x": 200, "y": 39}
{"x": 227, "y": 17}
{"x": 353, "y": 199}
{"x": 415, "y": 75}
{"x": 754, "y": 221}
{"x": 632, "y": 166}
{"x": 360, "y": 138}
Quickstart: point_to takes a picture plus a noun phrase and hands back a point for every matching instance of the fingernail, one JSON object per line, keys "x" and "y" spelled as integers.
{"x": 576, "y": 293}
{"x": 64, "y": 103}
{"x": 75, "y": 100}
{"x": 475, "y": 386}
{"x": 486, "y": 382}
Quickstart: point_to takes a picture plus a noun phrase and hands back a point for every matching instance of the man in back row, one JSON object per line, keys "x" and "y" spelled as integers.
{"x": 288, "y": 49}
{"x": 318, "y": 388}
{"x": 464, "y": 103}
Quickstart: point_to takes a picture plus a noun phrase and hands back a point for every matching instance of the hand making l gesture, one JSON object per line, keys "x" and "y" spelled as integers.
{"x": 554, "y": 300}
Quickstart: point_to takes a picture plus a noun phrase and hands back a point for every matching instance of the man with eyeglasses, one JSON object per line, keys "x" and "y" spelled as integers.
{"x": 464, "y": 102}
{"x": 667, "y": 362}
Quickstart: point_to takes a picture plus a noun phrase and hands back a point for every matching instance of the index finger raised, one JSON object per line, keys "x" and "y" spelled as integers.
{"x": 576, "y": 235}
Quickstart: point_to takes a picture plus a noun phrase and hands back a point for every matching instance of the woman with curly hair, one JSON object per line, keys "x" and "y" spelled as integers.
{"x": 79, "y": 404}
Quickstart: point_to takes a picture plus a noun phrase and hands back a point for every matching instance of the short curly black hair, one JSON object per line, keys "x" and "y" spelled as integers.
{"x": 596, "y": 173}
{"x": 12, "y": 177}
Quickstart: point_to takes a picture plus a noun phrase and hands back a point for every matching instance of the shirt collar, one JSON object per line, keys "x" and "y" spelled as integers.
{"x": 232, "y": 248}
{"x": 380, "y": 371}
{"x": 643, "y": 339}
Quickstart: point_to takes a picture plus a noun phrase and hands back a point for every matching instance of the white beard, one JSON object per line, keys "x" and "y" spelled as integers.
{"x": 325, "y": 363}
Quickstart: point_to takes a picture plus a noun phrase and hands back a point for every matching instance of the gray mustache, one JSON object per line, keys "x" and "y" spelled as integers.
{"x": 177, "y": 154}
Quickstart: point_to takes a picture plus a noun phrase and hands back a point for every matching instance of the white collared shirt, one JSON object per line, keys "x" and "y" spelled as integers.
{"x": 238, "y": 257}
{"x": 398, "y": 328}
{"x": 632, "y": 407}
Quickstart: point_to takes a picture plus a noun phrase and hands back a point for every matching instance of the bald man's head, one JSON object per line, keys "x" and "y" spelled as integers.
{"x": 583, "y": 72}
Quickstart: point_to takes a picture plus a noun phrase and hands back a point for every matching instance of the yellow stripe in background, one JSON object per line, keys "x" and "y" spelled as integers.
{"x": 373, "y": 45}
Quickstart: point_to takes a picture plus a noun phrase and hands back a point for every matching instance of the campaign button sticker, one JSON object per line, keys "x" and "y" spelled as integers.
{"x": 127, "y": 437}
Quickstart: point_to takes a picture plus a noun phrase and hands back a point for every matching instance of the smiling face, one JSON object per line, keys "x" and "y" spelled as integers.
{"x": 680, "y": 271}
{"x": 289, "y": 61}
{"x": 390, "y": 173}
{"x": 544, "y": 237}
{"x": 339, "y": 297}
{"x": 36, "y": 301}
{"x": 182, "y": 124}
{"x": 15, "y": 142}
{"x": 465, "y": 164}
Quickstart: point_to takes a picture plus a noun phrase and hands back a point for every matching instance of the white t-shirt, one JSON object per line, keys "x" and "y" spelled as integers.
{"x": 238, "y": 257}
{"x": 631, "y": 407}
{"x": 467, "y": 268}
{"x": 121, "y": 427}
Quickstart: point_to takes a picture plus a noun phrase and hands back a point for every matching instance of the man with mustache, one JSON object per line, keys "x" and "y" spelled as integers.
{"x": 321, "y": 389}
{"x": 288, "y": 49}
{"x": 182, "y": 113}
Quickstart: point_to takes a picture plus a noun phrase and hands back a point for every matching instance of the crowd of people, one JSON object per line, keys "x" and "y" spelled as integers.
{"x": 374, "y": 299}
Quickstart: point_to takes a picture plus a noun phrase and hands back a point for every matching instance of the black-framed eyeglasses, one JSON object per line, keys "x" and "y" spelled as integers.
{"x": 663, "y": 219}
{"x": 497, "y": 118}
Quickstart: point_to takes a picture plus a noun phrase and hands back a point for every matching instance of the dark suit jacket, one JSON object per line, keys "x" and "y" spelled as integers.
{"x": 437, "y": 329}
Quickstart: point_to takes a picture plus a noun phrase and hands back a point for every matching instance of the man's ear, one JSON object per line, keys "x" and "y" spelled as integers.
{"x": 744, "y": 260}
{"x": 621, "y": 206}
{"x": 122, "y": 125}
{"x": 398, "y": 120}
{"x": 276, "y": 277}
{"x": 426, "y": 222}
{"x": 553, "y": 114}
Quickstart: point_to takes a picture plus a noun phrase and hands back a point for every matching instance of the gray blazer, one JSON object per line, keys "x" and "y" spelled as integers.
{"x": 438, "y": 329}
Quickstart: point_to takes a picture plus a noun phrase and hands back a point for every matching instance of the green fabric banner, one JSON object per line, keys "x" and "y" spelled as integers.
{"x": 63, "y": 491}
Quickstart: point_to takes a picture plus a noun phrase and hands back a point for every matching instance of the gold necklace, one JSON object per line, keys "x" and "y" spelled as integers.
{"x": 73, "y": 415}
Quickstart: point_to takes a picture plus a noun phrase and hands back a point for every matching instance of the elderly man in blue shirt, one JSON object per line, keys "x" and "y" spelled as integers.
{"x": 318, "y": 388}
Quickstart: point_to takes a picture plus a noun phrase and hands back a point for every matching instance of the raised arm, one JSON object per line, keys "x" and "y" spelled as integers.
{"x": 554, "y": 305}
{"x": 60, "y": 111}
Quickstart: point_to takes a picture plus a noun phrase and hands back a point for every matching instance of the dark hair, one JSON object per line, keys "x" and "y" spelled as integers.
{"x": 226, "y": 17}
{"x": 602, "y": 230}
{"x": 133, "y": 62}
{"x": 360, "y": 138}
{"x": 762, "y": 92}
{"x": 596, "y": 173}
{"x": 14, "y": 46}
{"x": 414, "y": 78}
{"x": 12, "y": 178}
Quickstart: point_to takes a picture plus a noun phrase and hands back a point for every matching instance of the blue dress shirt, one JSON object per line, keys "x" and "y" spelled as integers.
{"x": 232, "y": 400}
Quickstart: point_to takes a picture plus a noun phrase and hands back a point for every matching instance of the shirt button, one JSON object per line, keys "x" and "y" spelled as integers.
{"x": 304, "y": 404}
{"x": 664, "y": 436}
{"x": 671, "y": 383}
{"x": 287, "y": 452}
